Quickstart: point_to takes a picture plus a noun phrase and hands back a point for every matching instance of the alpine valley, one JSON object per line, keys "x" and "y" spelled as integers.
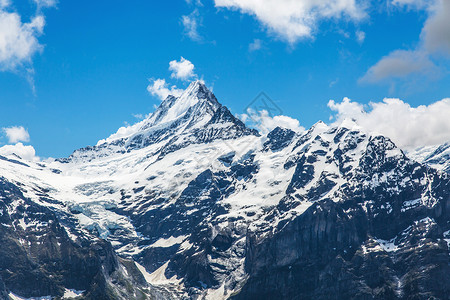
{"x": 190, "y": 203}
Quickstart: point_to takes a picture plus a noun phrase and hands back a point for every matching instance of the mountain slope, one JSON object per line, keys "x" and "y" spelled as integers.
{"x": 437, "y": 157}
{"x": 198, "y": 205}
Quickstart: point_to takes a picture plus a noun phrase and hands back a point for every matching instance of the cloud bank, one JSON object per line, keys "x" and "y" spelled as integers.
{"x": 409, "y": 127}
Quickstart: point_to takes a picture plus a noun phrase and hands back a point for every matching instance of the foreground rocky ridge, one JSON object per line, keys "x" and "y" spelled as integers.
{"x": 39, "y": 258}
{"x": 192, "y": 204}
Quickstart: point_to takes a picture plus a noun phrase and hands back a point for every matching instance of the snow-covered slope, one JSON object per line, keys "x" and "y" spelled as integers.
{"x": 207, "y": 207}
{"x": 437, "y": 157}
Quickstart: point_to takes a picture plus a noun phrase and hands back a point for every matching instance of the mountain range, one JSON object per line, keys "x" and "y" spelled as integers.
{"x": 191, "y": 203}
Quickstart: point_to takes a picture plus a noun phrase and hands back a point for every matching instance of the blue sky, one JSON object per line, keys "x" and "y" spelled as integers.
{"x": 79, "y": 70}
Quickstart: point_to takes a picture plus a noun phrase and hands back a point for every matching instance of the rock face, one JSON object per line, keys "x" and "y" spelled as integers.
{"x": 3, "y": 292}
{"x": 328, "y": 254}
{"x": 191, "y": 203}
{"x": 39, "y": 258}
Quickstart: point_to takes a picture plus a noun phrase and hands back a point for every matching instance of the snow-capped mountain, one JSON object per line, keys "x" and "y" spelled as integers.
{"x": 437, "y": 157}
{"x": 192, "y": 204}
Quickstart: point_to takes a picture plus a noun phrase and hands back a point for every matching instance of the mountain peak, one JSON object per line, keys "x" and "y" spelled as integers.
{"x": 194, "y": 116}
{"x": 173, "y": 108}
{"x": 197, "y": 86}
{"x": 197, "y": 89}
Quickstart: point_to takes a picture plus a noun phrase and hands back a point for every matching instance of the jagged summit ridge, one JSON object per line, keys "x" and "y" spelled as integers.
{"x": 197, "y": 97}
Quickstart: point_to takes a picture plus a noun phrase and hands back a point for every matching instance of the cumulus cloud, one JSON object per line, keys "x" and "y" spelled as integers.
{"x": 293, "y": 20}
{"x": 23, "y": 151}
{"x": 400, "y": 64}
{"x": 265, "y": 123}
{"x": 409, "y": 127}
{"x": 16, "y": 134}
{"x": 182, "y": 69}
{"x": 191, "y": 23}
{"x": 161, "y": 89}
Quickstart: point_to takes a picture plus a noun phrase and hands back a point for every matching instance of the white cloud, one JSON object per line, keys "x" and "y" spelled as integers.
{"x": 16, "y": 134}
{"x": 346, "y": 109}
{"x": 400, "y": 64}
{"x": 262, "y": 121}
{"x": 19, "y": 149}
{"x": 18, "y": 41}
{"x": 182, "y": 69}
{"x": 409, "y": 127}
{"x": 255, "y": 45}
{"x": 292, "y": 20}
{"x": 191, "y": 24}
{"x": 360, "y": 36}
{"x": 161, "y": 89}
